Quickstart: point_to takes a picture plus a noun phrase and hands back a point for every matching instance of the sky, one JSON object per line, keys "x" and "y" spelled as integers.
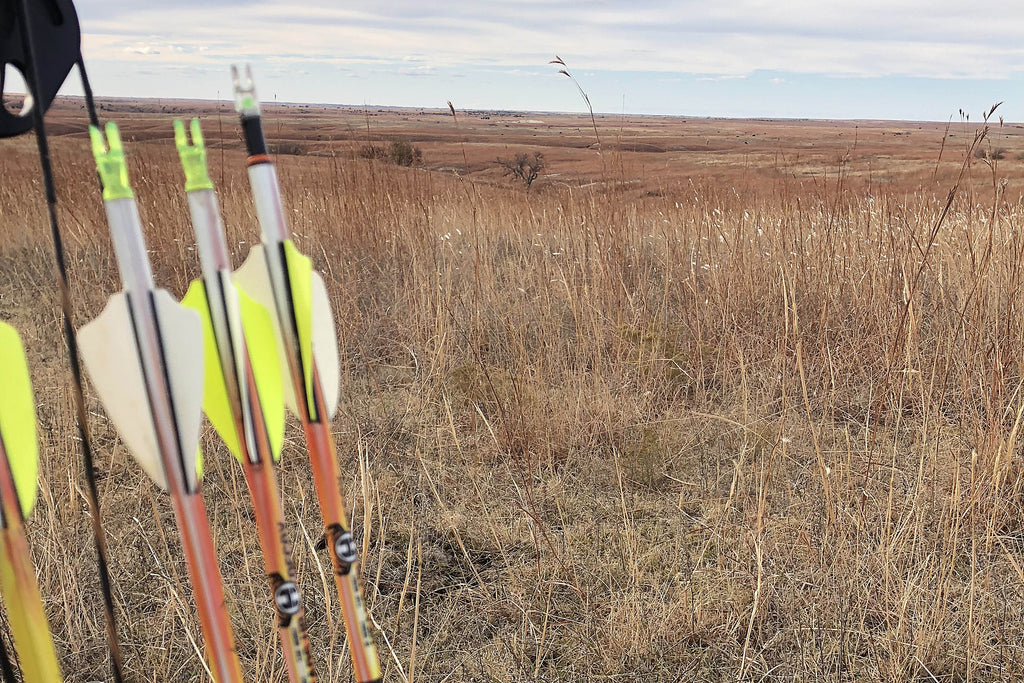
{"x": 867, "y": 59}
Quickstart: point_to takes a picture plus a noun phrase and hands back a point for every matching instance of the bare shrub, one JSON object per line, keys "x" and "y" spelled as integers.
{"x": 404, "y": 153}
{"x": 288, "y": 147}
{"x": 990, "y": 153}
{"x": 523, "y": 167}
{"x": 398, "y": 151}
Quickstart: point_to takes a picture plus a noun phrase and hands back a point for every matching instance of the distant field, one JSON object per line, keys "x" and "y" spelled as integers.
{"x": 714, "y": 400}
{"x": 647, "y": 153}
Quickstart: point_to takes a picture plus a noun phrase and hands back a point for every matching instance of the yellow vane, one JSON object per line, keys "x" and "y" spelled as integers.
{"x": 259, "y": 337}
{"x": 18, "y": 417}
{"x": 25, "y": 614}
{"x": 258, "y": 330}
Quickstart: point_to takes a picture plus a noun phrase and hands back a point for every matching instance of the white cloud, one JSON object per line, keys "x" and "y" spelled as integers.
{"x": 421, "y": 70}
{"x": 142, "y": 50}
{"x": 864, "y": 38}
{"x": 658, "y": 56}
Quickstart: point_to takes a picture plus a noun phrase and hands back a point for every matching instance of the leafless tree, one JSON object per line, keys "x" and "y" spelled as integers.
{"x": 524, "y": 167}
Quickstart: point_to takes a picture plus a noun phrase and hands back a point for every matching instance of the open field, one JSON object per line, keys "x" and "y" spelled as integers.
{"x": 713, "y": 401}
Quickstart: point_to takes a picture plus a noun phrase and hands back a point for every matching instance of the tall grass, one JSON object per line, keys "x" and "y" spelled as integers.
{"x": 760, "y": 432}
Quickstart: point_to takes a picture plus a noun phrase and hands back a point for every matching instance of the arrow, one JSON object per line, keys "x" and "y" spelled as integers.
{"x": 19, "y": 465}
{"x": 280, "y": 278}
{"x": 243, "y": 397}
{"x": 144, "y": 355}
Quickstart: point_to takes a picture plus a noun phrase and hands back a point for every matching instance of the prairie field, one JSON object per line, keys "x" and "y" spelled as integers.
{"x": 713, "y": 400}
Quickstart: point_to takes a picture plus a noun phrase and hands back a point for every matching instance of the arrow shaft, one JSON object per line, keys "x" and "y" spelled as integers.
{"x": 267, "y": 198}
{"x": 277, "y": 550}
{"x": 277, "y": 560}
{"x": 319, "y": 441}
{"x": 129, "y": 245}
{"x": 341, "y": 546}
{"x": 209, "y": 230}
{"x": 201, "y": 558}
{"x": 189, "y": 512}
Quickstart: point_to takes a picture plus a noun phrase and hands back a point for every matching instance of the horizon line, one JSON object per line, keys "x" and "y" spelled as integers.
{"x": 444, "y": 109}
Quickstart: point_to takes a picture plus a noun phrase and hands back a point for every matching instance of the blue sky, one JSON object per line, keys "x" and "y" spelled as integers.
{"x": 901, "y": 59}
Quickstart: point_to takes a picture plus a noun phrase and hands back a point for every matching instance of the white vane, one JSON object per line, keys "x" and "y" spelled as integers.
{"x": 111, "y": 355}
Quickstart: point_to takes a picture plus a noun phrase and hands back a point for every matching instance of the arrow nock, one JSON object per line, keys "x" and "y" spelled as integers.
{"x": 110, "y": 162}
{"x": 246, "y": 102}
{"x": 193, "y": 156}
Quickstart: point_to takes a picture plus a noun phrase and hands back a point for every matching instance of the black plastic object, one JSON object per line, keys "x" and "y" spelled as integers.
{"x": 56, "y": 38}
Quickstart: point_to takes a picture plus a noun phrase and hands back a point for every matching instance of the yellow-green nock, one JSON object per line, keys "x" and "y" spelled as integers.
{"x": 110, "y": 163}
{"x": 193, "y": 157}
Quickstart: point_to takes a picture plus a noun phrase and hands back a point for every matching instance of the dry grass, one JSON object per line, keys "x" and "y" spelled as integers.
{"x": 766, "y": 431}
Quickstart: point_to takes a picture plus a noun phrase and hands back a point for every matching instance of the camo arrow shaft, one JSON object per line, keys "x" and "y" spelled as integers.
{"x": 154, "y": 335}
{"x": 253, "y": 442}
{"x": 18, "y": 467}
{"x": 303, "y": 372}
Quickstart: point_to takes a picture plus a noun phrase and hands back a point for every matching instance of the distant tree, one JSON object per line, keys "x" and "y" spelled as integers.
{"x": 398, "y": 151}
{"x": 405, "y": 153}
{"x": 524, "y": 167}
{"x": 990, "y": 153}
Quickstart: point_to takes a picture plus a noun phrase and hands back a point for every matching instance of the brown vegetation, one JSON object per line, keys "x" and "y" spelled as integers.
{"x": 722, "y": 412}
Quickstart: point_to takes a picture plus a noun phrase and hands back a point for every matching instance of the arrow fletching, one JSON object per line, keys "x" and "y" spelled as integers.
{"x": 300, "y": 283}
{"x": 18, "y": 418}
{"x": 259, "y": 339}
{"x": 258, "y": 330}
{"x": 325, "y": 345}
{"x": 318, "y": 341}
{"x": 110, "y": 352}
{"x": 25, "y": 614}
